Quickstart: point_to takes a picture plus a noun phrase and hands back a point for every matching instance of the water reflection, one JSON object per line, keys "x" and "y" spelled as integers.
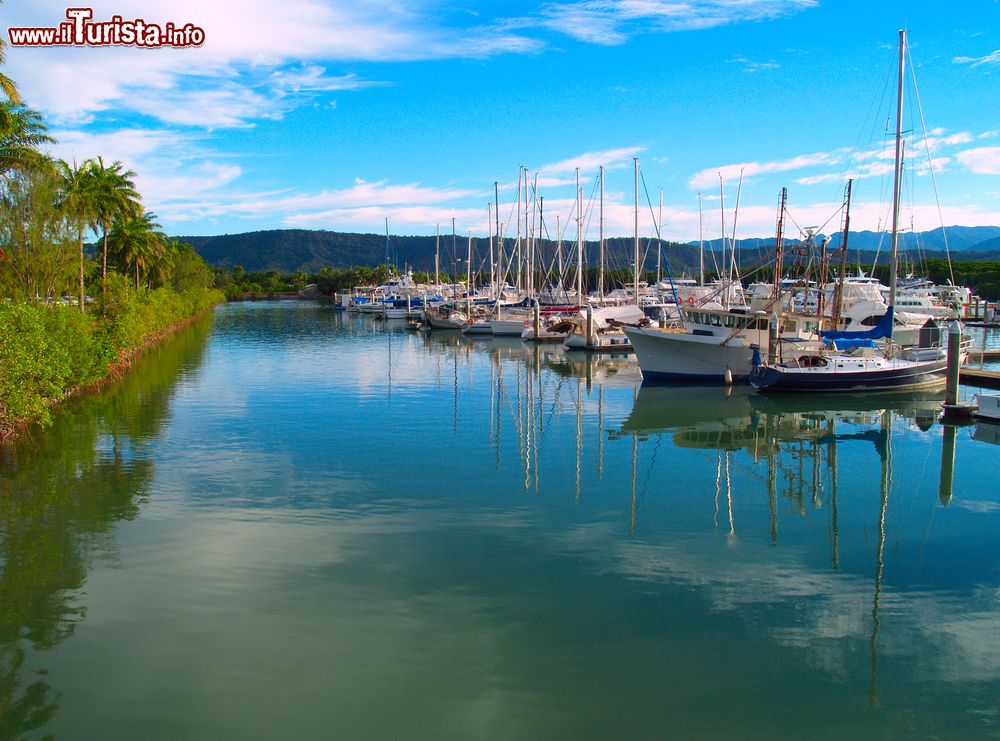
{"x": 399, "y": 534}
{"x": 62, "y": 491}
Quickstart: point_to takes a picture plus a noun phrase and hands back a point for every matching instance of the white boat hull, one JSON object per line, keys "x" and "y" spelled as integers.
{"x": 677, "y": 356}
{"x": 478, "y": 328}
{"x": 443, "y": 323}
{"x": 988, "y": 406}
{"x": 603, "y": 342}
{"x": 507, "y": 327}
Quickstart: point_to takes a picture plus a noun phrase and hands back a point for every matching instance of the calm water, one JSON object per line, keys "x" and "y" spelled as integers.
{"x": 290, "y": 523}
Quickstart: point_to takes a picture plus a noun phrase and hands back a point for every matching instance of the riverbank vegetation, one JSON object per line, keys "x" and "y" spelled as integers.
{"x": 73, "y": 314}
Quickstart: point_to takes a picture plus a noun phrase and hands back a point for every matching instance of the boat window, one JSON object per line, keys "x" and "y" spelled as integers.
{"x": 716, "y": 322}
{"x": 871, "y": 321}
{"x": 728, "y": 320}
{"x": 791, "y": 326}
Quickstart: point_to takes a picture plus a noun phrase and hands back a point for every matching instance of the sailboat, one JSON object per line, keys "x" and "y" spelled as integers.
{"x": 601, "y": 329}
{"x": 854, "y": 362}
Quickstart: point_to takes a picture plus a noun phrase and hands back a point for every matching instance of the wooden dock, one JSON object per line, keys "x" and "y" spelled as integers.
{"x": 983, "y": 356}
{"x": 981, "y": 378}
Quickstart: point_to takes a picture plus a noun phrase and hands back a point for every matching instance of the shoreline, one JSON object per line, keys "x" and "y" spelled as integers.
{"x": 116, "y": 370}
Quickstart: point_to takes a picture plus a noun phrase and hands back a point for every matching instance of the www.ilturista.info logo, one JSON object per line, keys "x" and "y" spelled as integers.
{"x": 80, "y": 30}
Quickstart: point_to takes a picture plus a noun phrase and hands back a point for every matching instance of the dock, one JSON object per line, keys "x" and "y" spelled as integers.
{"x": 981, "y": 378}
{"x": 983, "y": 356}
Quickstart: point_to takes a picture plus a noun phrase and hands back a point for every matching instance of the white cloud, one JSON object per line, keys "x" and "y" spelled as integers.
{"x": 859, "y": 172}
{"x": 709, "y": 177}
{"x": 612, "y": 22}
{"x": 590, "y": 161}
{"x": 257, "y": 60}
{"x": 981, "y": 160}
{"x": 751, "y": 66}
{"x": 993, "y": 58}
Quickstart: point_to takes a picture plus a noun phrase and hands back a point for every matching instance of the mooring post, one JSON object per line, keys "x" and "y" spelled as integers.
{"x": 947, "y": 464}
{"x": 590, "y": 326}
{"x": 954, "y": 360}
{"x": 536, "y": 319}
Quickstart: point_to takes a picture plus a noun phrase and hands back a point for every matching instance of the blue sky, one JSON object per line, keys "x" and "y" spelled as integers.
{"x": 336, "y": 115}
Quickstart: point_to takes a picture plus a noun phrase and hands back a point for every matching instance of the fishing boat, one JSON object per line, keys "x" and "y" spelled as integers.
{"x": 853, "y": 360}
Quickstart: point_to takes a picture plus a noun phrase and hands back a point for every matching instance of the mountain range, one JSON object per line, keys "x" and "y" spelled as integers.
{"x": 304, "y": 250}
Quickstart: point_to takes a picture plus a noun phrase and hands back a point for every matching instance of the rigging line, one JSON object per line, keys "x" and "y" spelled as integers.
{"x": 834, "y": 215}
{"x": 649, "y": 203}
{"x": 791, "y": 219}
{"x": 876, "y": 105}
{"x": 930, "y": 164}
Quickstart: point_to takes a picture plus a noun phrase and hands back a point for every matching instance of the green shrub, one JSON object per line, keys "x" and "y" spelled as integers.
{"x": 45, "y": 350}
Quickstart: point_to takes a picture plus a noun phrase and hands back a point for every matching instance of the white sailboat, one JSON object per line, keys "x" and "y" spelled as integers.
{"x": 855, "y": 362}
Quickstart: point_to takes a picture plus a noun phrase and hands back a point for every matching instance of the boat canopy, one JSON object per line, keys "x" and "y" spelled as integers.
{"x": 880, "y": 330}
{"x": 849, "y": 344}
{"x": 628, "y": 314}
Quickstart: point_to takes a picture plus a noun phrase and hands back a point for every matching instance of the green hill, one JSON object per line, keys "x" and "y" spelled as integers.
{"x": 309, "y": 251}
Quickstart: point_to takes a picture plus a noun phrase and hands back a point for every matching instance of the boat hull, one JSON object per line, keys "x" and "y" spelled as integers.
{"x": 676, "y": 356}
{"x": 988, "y": 407}
{"x": 507, "y": 327}
{"x": 439, "y": 323}
{"x": 602, "y": 343}
{"x": 896, "y": 375}
{"x": 481, "y": 329}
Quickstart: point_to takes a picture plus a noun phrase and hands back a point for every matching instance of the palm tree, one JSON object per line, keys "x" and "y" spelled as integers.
{"x": 7, "y": 85}
{"x": 138, "y": 241}
{"x": 76, "y": 199}
{"x": 22, "y": 132}
{"x": 116, "y": 198}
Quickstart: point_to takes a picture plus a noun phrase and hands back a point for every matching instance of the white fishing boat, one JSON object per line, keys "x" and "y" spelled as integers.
{"x": 714, "y": 345}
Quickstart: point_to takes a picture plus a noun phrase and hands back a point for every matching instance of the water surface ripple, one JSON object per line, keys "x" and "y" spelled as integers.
{"x": 290, "y": 522}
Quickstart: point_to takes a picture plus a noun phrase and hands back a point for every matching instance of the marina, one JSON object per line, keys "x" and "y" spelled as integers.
{"x": 316, "y": 422}
{"x": 315, "y": 507}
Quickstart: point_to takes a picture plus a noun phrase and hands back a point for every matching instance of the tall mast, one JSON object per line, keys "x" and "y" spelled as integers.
{"x": 779, "y": 244}
{"x": 534, "y": 245}
{"x": 541, "y": 236}
{"x": 437, "y": 255}
{"x": 454, "y": 257}
{"x": 489, "y": 228}
{"x": 659, "y": 225}
{"x": 468, "y": 276}
{"x": 722, "y": 213}
{"x": 496, "y": 215}
{"x": 388, "y": 272}
{"x": 600, "y": 269}
{"x": 559, "y": 252}
{"x": 635, "y": 165}
{"x": 838, "y": 306}
{"x": 701, "y": 244}
{"x": 898, "y": 170}
{"x": 517, "y": 238}
{"x": 579, "y": 238}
